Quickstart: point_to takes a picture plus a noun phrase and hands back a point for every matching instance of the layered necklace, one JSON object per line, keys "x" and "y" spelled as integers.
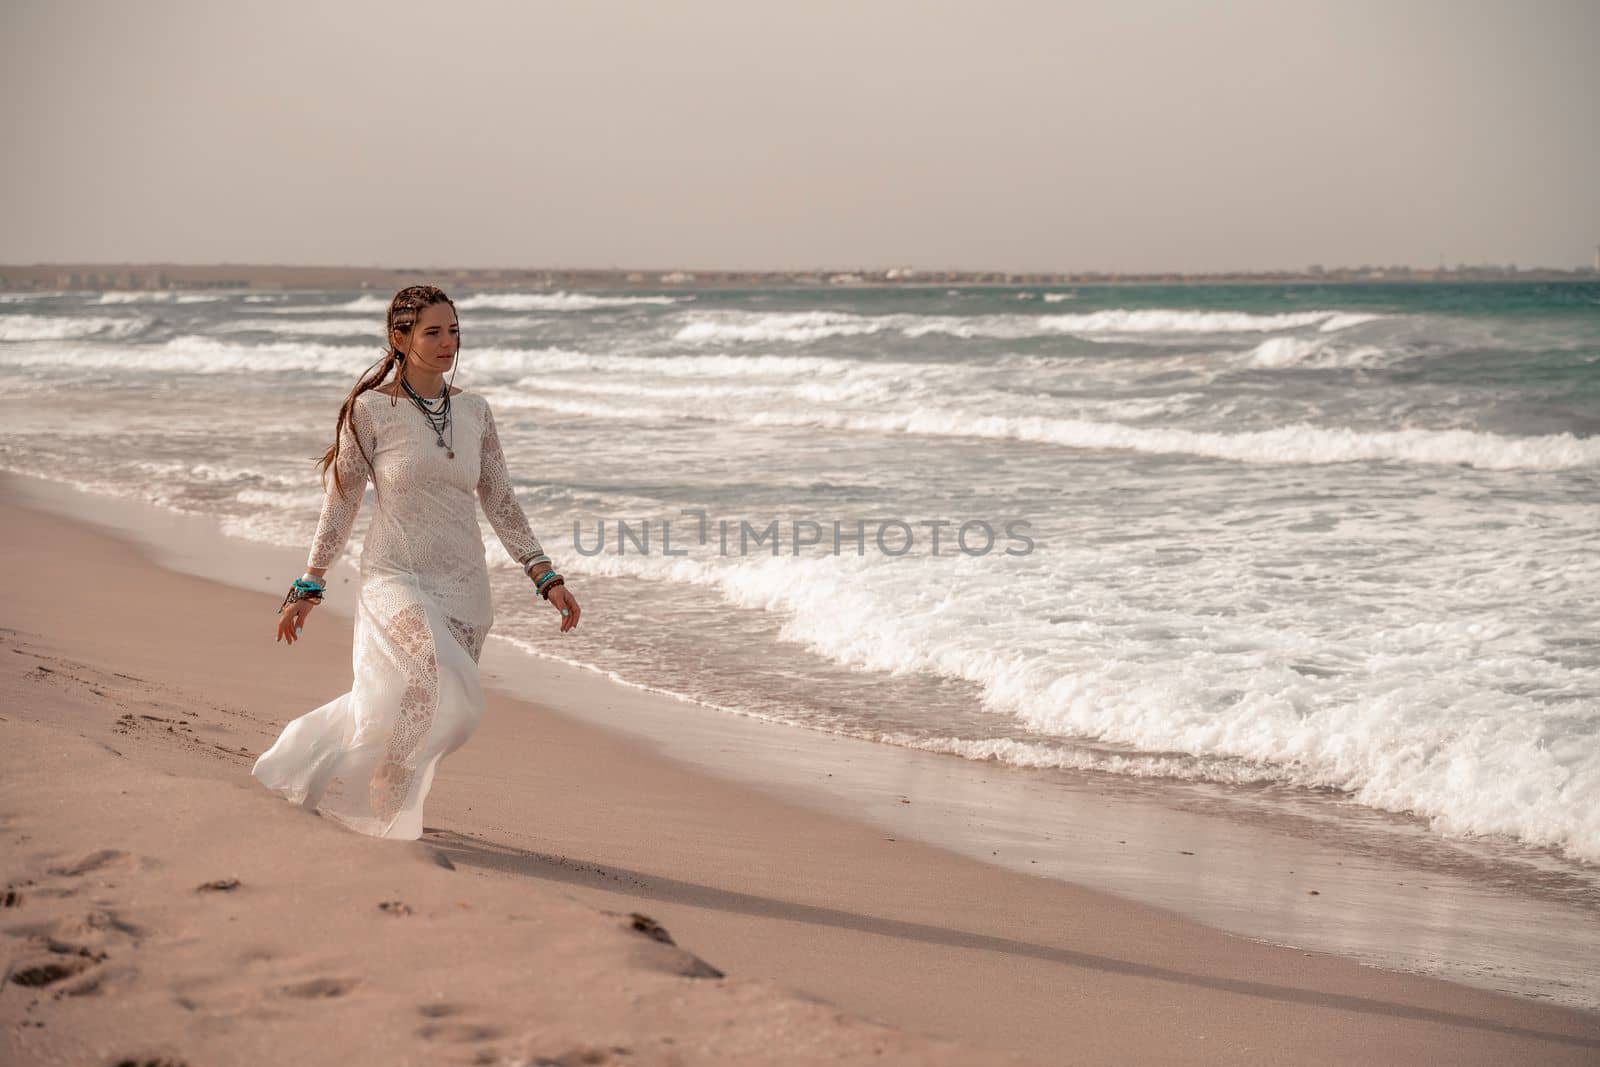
{"x": 437, "y": 412}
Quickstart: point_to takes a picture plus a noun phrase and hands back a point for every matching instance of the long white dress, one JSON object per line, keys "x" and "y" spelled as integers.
{"x": 366, "y": 759}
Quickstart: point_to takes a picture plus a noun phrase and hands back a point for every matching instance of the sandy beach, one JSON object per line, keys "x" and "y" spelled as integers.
{"x": 530, "y": 924}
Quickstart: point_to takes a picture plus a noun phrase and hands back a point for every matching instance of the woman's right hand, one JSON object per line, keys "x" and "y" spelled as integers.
{"x": 292, "y": 619}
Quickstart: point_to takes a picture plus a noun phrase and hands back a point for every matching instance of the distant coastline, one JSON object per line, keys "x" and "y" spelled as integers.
{"x": 160, "y": 276}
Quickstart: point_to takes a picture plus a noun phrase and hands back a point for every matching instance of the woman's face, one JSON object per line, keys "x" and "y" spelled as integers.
{"x": 434, "y": 339}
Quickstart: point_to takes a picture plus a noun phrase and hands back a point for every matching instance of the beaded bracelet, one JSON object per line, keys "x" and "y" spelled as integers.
{"x": 544, "y": 591}
{"x": 302, "y": 589}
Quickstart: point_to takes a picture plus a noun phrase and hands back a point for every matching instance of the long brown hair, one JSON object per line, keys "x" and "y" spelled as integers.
{"x": 404, "y": 309}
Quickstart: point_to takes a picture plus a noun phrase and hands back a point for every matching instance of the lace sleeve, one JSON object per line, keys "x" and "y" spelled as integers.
{"x": 499, "y": 502}
{"x": 339, "y": 508}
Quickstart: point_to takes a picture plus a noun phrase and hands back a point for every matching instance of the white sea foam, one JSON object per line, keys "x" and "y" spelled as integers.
{"x": 802, "y": 327}
{"x": 1296, "y": 444}
{"x": 157, "y": 296}
{"x": 68, "y": 327}
{"x": 198, "y": 355}
{"x": 361, "y": 305}
{"x": 300, "y": 327}
{"x": 365, "y": 304}
{"x": 858, "y": 389}
{"x": 1085, "y": 758}
{"x": 558, "y": 301}
{"x": 1120, "y": 321}
{"x": 1429, "y": 730}
{"x": 211, "y": 471}
{"x": 1345, "y": 320}
{"x": 1318, "y": 352}
{"x": 792, "y": 326}
{"x": 1287, "y": 445}
{"x": 534, "y": 361}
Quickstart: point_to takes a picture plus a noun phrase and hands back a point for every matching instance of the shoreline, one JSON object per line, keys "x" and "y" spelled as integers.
{"x": 756, "y": 885}
{"x": 1270, "y": 865}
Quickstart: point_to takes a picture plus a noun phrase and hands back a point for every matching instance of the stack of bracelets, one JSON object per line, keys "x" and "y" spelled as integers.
{"x": 310, "y": 589}
{"x": 546, "y": 581}
{"x": 304, "y": 588}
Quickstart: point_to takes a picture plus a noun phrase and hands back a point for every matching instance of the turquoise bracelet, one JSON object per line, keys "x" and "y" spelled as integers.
{"x": 302, "y": 590}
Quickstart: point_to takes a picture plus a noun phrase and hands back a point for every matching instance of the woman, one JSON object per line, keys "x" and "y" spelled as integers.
{"x": 367, "y": 758}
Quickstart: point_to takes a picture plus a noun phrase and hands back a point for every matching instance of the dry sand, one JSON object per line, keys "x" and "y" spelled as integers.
{"x": 136, "y": 699}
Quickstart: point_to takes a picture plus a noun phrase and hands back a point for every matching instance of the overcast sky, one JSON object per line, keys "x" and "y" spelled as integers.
{"x": 988, "y": 134}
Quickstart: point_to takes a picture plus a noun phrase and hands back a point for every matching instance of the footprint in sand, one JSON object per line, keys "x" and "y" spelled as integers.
{"x": 454, "y": 1031}
{"x": 583, "y": 1056}
{"x": 67, "y": 947}
{"x": 94, "y": 861}
{"x": 319, "y": 988}
{"x": 41, "y": 973}
{"x": 460, "y": 1032}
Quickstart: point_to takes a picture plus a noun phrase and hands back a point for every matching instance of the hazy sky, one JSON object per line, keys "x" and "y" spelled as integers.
{"x": 742, "y": 133}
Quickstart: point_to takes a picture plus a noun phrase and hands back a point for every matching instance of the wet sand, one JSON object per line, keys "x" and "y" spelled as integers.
{"x": 137, "y": 698}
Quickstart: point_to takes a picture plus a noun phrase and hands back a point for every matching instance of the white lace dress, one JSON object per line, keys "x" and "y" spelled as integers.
{"x": 367, "y": 758}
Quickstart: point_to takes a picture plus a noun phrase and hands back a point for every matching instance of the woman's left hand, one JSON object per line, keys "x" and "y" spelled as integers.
{"x": 568, "y": 605}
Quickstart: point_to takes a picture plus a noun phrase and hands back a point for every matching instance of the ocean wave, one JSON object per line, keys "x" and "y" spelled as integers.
{"x": 803, "y": 327}
{"x": 1299, "y": 444}
{"x": 1120, "y": 322}
{"x": 69, "y": 328}
{"x": 1459, "y": 747}
{"x": 211, "y": 478}
{"x": 860, "y": 389}
{"x": 200, "y": 354}
{"x": 364, "y": 305}
{"x": 535, "y": 361}
{"x": 558, "y": 301}
{"x": 1287, "y": 445}
{"x": 157, "y": 296}
{"x": 1345, "y": 320}
{"x": 298, "y": 327}
{"x": 1066, "y": 756}
{"x": 1318, "y": 352}
{"x": 195, "y": 354}
{"x": 792, "y": 326}
{"x": 864, "y": 385}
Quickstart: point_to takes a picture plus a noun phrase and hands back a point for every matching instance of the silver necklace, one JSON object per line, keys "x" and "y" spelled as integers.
{"x": 437, "y": 412}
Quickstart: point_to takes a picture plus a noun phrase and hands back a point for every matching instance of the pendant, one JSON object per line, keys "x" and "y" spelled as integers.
{"x": 450, "y": 454}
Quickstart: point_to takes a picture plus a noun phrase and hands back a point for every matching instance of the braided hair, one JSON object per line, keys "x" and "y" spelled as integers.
{"x": 404, "y": 309}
